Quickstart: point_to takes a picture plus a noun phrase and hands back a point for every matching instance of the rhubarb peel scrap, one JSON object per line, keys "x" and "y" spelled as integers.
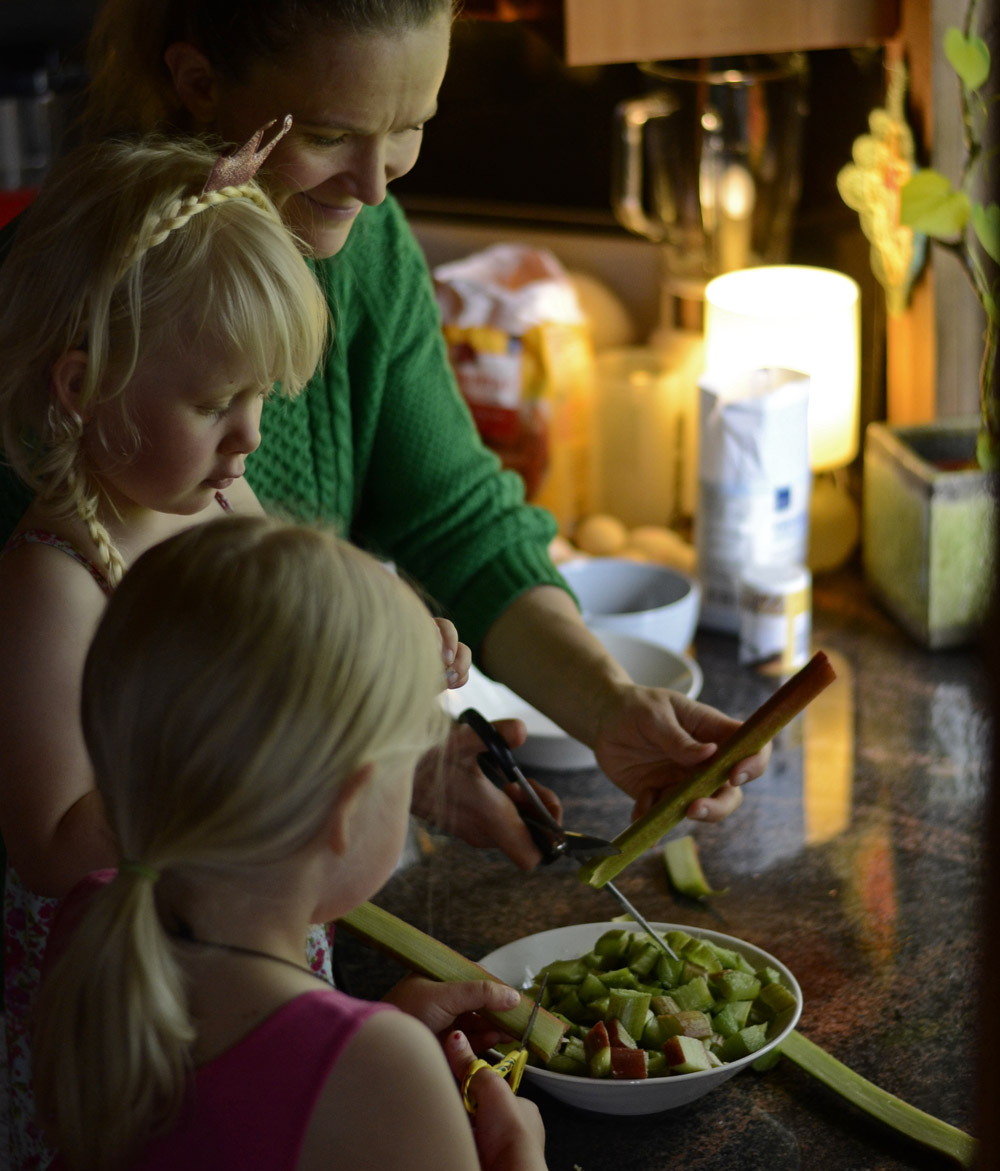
{"x": 887, "y": 1108}
{"x": 751, "y": 736}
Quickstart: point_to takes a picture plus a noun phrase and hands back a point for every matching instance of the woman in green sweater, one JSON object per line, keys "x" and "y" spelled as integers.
{"x": 381, "y": 443}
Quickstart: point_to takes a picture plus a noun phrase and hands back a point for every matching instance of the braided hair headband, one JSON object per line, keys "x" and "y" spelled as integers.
{"x": 230, "y": 178}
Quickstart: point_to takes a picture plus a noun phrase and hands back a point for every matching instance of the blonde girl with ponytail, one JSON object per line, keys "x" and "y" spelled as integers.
{"x": 254, "y": 702}
{"x": 152, "y": 299}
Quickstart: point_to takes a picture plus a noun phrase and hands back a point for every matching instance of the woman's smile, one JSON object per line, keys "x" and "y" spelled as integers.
{"x": 347, "y": 142}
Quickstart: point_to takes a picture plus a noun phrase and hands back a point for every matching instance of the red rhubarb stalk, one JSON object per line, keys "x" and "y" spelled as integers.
{"x": 751, "y": 736}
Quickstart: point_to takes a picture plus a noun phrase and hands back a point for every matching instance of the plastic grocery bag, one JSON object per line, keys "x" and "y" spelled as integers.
{"x": 520, "y": 347}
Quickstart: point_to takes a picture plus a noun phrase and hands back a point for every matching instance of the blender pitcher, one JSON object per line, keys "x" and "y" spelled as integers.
{"x": 707, "y": 163}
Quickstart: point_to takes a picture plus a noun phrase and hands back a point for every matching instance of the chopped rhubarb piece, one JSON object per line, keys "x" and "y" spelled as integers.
{"x": 686, "y": 1055}
{"x": 694, "y": 1024}
{"x": 628, "y": 1063}
{"x": 630, "y": 1007}
{"x": 730, "y": 985}
{"x": 598, "y": 1050}
{"x": 618, "y": 1036}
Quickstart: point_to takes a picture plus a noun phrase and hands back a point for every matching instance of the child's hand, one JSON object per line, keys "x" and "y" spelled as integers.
{"x": 509, "y": 1132}
{"x": 456, "y": 655}
{"x": 445, "y": 1006}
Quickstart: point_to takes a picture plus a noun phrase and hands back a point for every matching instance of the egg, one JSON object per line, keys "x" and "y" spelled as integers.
{"x": 663, "y": 546}
{"x": 601, "y": 535}
{"x": 633, "y": 553}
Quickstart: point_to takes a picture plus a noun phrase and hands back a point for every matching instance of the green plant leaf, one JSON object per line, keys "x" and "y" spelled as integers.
{"x": 968, "y": 56}
{"x": 986, "y": 225}
{"x": 928, "y": 203}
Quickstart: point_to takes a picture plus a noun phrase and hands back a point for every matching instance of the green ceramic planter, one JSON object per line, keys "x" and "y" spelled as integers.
{"x": 928, "y": 529}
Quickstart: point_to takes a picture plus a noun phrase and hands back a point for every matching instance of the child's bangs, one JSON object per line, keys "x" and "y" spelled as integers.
{"x": 265, "y": 301}
{"x": 233, "y": 273}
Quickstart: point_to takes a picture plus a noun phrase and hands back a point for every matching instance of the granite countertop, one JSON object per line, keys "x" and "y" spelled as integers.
{"x": 855, "y": 860}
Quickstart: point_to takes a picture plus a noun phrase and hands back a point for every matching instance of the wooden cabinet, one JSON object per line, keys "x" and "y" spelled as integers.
{"x": 605, "y": 31}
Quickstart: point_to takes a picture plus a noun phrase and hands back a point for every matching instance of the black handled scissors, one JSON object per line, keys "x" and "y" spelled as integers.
{"x": 499, "y": 766}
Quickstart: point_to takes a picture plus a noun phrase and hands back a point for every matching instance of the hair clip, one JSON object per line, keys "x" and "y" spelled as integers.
{"x": 240, "y": 167}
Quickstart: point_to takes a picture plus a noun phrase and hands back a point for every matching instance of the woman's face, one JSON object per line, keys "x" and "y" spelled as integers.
{"x": 358, "y": 102}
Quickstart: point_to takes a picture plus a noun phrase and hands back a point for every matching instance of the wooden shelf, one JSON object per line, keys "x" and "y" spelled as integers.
{"x": 600, "y": 32}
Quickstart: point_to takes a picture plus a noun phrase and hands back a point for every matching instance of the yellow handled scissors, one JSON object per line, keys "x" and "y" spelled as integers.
{"x": 511, "y": 1066}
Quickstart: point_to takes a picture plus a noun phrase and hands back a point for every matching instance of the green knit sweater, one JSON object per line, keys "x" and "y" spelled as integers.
{"x": 382, "y": 444}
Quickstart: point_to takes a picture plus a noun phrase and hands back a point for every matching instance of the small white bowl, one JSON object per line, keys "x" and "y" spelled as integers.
{"x": 547, "y": 745}
{"x": 518, "y": 962}
{"x": 638, "y": 598}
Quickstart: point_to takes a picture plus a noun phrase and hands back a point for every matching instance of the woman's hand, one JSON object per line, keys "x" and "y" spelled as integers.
{"x": 446, "y": 1006}
{"x": 508, "y": 1130}
{"x": 646, "y": 739}
{"x": 451, "y": 792}
{"x": 651, "y": 739}
{"x": 456, "y": 655}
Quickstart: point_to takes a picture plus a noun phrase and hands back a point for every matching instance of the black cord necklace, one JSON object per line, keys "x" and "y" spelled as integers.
{"x": 187, "y": 936}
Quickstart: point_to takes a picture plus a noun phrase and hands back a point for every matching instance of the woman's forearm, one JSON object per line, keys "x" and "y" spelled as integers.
{"x": 540, "y": 648}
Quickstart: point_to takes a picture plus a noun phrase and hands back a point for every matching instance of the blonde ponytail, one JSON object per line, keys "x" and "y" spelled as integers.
{"x": 241, "y": 672}
{"x": 114, "y": 1003}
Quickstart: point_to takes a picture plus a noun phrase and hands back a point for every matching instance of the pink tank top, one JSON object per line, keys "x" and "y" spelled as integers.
{"x": 251, "y": 1107}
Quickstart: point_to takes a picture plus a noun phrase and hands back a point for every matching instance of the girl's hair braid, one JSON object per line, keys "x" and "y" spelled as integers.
{"x": 181, "y": 211}
{"x": 114, "y": 260}
{"x": 65, "y": 468}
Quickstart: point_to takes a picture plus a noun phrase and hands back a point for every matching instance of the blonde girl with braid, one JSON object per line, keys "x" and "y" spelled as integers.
{"x": 151, "y": 302}
{"x": 254, "y": 702}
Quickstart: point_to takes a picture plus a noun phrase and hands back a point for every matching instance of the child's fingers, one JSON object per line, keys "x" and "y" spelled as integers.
{"x": 439, "y": 1005}
{"x": 509, "y": 1130}
{"x": 457, "y": 674}
{"x": 463, "y": 1063}
{"x": 459, "y": 1053}
{"x": 457, "y": 657}
{"x": 449, "y": 639}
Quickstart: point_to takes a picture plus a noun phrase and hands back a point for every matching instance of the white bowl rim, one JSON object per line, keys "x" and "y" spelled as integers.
{"x": 605, "y": 566}
{"x": 729, "y": 941}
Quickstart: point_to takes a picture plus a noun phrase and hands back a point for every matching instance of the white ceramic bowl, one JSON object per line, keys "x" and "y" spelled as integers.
{"x": 518, "y": 962}
{"x": 637, "y": 598}
{"x": 547, "y": 745}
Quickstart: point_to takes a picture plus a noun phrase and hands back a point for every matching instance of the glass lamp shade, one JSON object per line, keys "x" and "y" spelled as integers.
{"x": 799, "y": 318}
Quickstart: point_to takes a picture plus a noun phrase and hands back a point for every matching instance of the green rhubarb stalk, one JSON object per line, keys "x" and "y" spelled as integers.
{"x": 750, "y": 737}
{"x": 893, "y": 1111}
{"x": 680, "y": 855}
{"x": 428, "y": 957}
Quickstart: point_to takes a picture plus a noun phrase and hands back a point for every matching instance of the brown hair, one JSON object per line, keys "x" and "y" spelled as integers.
{"x": 131, "y": 89}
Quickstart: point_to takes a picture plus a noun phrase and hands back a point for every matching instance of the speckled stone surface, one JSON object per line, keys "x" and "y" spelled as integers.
{"x": 855, "y": 860}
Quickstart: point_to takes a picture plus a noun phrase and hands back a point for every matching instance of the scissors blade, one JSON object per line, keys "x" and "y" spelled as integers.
{"x": 584, "y": 845}
{"x": 627, "y": 906}
{"x": 499, "y": 765}
{"x": 534, "y": 1012}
